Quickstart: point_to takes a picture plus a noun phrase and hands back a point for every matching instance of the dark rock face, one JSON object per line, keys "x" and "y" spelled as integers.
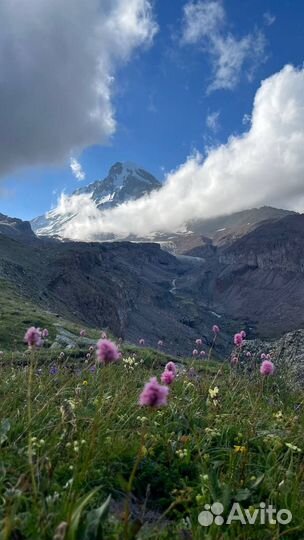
{"x": 16, "y": 228}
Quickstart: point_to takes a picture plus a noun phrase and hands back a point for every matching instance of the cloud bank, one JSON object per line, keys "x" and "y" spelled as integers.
{"x": 58, "y": 60}
{"x": 205, "y": 24}
{"x": 264, "y": 165}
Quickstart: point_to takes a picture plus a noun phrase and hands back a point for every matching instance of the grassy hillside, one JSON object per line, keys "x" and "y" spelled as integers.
{"x": 73, "y": 435}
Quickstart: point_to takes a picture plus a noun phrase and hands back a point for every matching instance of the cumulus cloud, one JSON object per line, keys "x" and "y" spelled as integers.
{"x": 58, "y": 61}
{"x": 264, "y": 165}
{"x": 205, "y": 23}
{"x": 77, "y": 169}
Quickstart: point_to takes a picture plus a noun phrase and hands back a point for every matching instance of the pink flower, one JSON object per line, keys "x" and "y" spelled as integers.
{"x": 248, "y": 354}
{"x": 153, "y": 394}
{"x": 45, "y": 333}
{"x": 243, "y": 334}
{"x": 202, "y": 353}
{"x": 215, "y": 329}
{"x": 238, "y": 340}
{"x": 107, "y": 352}
{"x": 263, "y": 356}
{"x": 160, "y": 343}
{"x": 268, "y": 357}
{"x": 82, "y": 333}
{"x": 33, "y": 337}
{"x": 194, "y": 352}
{"x": 267, "y": 368}
{"x": 167, "y": 377}
{"x": 141, "y": 341}
{"x": 171, "y": 367}
{"x": 198, "y": 342}
{"x": 234, "y": 361}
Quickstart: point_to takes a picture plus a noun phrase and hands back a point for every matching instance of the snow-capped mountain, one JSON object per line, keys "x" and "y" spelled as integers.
{"x": 124, "y": 182}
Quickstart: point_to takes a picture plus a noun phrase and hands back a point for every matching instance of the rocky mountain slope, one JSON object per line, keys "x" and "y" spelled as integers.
{"x": 126, "y": 287}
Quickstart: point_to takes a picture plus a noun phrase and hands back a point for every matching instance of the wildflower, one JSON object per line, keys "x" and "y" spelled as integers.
{"x": 234, "y": 361}
{"x": 33, "y": 337}
{"x": 45, "y": 333}
{"x": 167, "y": 377}
{"x": 240, "y": 449}
{"x": 198, "y": 342}
{"x": 243, "y": 334}
{"x": 278, "y": 415}
{"x": 202, "y": 353}
{"x": 238, "y": 340}
{"x": 107, "y": 352}
{"x": 248, "y": 354}
{"x": 103, "y": 335}
{"x": 160, "y": 343}
{"x": 267, "y": 368}
{"x": 61, "y": 354}
{"x": 85, "y": 383}
{"x": 153, "y": 394}
{"x": 293, "y": 447}
{"x": 91, "y": 349}
{"x": 263, "y": 356}
{"x": 141, "y": 342}
{"x": 213, "y": 392}
{"x": 82, "y": 333}
{"x": 54, "y": 370}
{"x": 194, "y": 352}
{"x": 215, "y": 329}
{"x": 171, "y": 367}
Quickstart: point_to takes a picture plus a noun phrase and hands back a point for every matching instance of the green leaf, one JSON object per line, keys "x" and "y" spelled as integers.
{"x": 95, "y": 518}
{"x": 76, "y": 515}
{"x": 242, "y": 495}
{"x": 5, "y": 426}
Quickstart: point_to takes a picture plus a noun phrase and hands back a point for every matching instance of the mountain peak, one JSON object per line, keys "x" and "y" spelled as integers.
{"x": 125, "y": 182}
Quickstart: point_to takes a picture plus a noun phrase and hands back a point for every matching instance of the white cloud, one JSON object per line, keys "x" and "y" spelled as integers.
{"x": 212, "y": 121}
{"x": 76, "y": 169}
{"x": 202, "y": 19}
{"x": 58, "y": 60}
{"x": 205, "y": 24}
{"x": 262, "y": 166}
{"x": 269, "y": 19}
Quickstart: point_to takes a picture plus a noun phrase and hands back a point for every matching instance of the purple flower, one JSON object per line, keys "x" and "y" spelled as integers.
{"x": 45, "y": 333}
{"x": 198, "y": 342}
{"x": 234, "y": 361}
{"x": 248, "y": 354}
{"x": 160, "y": 343}
{"x": 267, "y": 368}
{"x": 33, "y": 337}
{"x": 153, "y": 394}
{"x": 141, "y": 341}
{"x": 243, "y": 334}
{"x": 215, "y": 329}
{"x": 107, "y": 352}
{"x": 54, "y": 370}
{"x": 238, "y": 339}
{"x": 194, "y": 352}
{"x": 202, "y": 353}
{"x": 263, "y": 356}
{"x": 82, "y": 333}
{"x": 171, "y": 367}
{"x": 167, "y": 377}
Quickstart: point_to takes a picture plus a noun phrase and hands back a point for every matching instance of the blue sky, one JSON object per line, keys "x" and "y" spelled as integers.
{"x": 162, "y": 102}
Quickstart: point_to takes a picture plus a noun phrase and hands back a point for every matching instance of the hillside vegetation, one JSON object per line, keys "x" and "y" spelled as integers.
{"x": 82, "y": 460}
